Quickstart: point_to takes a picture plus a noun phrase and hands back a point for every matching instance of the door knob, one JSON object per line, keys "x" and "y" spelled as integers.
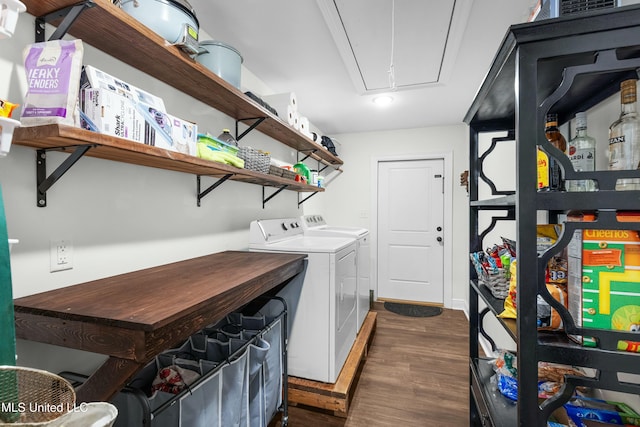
{"x": 439, "y": 239}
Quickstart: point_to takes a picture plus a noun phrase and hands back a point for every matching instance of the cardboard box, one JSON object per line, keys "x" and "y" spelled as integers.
{"x": 107, "y": 112}
{"x": 153, "y": 127}
{"x": 147, "y": 119}
{"x": 92, "y": 78}
{"x": 604, "y": 281}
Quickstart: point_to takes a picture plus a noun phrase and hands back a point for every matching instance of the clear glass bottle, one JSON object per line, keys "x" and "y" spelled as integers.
{"x": 553, "y": 180}
{"x": 582, "y": 153}
{"x": 624, "y": 146}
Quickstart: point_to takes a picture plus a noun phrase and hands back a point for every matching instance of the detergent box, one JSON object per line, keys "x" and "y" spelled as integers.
{"x": 581, "y": 409}
{"x": 604, "y": 280}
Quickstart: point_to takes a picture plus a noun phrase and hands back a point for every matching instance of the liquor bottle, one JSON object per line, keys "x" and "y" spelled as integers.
{"x": 582, "y": 153}
{"x": 624, "y": 147}
{"x": 549, "y": 170}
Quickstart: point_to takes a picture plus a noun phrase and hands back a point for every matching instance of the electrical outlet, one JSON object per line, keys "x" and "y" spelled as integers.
{"x": 61, "y": 255}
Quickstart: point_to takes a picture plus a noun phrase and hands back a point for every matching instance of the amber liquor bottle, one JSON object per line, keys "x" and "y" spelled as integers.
{"x": 549, "y": 171}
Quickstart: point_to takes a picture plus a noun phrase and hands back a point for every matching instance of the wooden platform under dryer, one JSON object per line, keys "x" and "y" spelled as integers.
{"x": 337, "y": 396}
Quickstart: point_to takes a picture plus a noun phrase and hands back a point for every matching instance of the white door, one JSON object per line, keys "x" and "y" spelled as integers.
{"x": 410, "y": 230}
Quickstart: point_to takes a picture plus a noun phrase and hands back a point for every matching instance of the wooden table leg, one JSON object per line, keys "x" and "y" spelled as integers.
{"x": 108, "y": 380}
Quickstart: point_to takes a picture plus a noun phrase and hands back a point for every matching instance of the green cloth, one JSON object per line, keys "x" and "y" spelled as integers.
{"x": 8, "y": 379}
{"x": 208, "y": 152}
{"x": 7, "y": 327}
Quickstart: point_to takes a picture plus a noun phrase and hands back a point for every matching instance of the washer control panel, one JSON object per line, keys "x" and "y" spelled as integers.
{"x": 313, "y": 220}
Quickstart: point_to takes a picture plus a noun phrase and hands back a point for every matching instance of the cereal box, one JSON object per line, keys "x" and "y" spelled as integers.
{"x": 607, "y": 293}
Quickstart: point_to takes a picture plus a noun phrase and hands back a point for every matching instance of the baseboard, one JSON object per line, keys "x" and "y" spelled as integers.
{"x": 460, "y": 304}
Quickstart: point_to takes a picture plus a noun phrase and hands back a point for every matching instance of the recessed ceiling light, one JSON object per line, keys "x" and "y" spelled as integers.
{"x": 383, "y": 100}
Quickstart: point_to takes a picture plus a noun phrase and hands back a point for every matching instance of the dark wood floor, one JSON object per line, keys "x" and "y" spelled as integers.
{"x": 416, "y": 374}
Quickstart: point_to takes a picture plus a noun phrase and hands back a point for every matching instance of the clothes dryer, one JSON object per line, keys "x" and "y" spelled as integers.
{"x": 321, "y": 301}
{"x": 315, "y": 225}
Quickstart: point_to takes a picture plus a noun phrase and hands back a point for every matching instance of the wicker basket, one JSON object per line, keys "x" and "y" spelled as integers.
{"x": 497, "y": 282}
{"x": 286, "y": 173}
{"x": 275, "y": 170}
{"x": 255, "y": 160}
{"x": 496, "y": 279}
{"x": 45, "y": 396}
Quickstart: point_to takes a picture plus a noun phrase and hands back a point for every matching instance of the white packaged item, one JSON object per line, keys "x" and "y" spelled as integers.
{"x": 53, "y": 75}
{"x": 286, "y": 104}
{"x": 7, "y": 126}
{"x": 95, "y": 78}
{"x": 184, "y": 135}
{"x": 9, "y": 10}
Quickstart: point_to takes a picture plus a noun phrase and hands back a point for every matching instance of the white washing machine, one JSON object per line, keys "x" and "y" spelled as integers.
{"x": 321, "y": 302}
{"x": 315, "y": 225}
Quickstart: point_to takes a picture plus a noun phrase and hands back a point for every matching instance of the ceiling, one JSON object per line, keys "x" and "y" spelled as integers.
{"x": 337, "y": 55}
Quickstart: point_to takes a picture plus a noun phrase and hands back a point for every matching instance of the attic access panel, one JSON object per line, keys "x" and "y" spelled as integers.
{"x": 426, "y": 39}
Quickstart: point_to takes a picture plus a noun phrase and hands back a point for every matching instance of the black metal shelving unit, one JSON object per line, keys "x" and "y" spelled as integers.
{"x": 561, "y": 65}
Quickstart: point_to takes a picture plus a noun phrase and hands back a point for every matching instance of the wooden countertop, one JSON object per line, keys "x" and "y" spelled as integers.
{"x": 133, "y": 316}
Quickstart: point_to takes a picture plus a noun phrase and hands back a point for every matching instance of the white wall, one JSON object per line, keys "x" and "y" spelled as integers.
{"x": 119, "y": 217}
{"x": 123, "y": 217}
{"x": 349, "y": 199}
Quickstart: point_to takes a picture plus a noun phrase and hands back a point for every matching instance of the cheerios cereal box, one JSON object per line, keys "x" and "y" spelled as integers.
{"x": 610, "y": 282}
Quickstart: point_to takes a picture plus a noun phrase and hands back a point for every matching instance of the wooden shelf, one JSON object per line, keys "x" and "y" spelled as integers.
{"x": 110, "y": 29}
{"x": 133, "y": 316}
{"x": 64, "y": 138}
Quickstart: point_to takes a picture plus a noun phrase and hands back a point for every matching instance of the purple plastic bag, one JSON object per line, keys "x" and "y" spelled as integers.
{"x": 53, "y": 77}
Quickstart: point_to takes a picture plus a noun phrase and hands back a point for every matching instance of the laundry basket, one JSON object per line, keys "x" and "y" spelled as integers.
{"x": 33, "y": 397}
{"x": 93, "y": 414}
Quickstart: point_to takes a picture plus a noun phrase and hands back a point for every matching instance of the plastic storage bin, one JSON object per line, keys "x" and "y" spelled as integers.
{"x": 6, "y": 131}
{"x": 9, "y": 10}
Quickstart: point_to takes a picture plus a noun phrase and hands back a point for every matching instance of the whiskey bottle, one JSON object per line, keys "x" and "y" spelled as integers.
{"x": 624, "y": 147}
{"x": 582, "y": 153}
{"x": 549, "y": 170}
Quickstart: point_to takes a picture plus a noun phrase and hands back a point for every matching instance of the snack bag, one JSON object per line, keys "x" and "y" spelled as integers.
{"x": 548, "y": 318}
{"x": 510, "y": 311}
{"x": 53, "y": 75}
{"x": 6, "y": 108}
{"x": 547, "y": 236}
